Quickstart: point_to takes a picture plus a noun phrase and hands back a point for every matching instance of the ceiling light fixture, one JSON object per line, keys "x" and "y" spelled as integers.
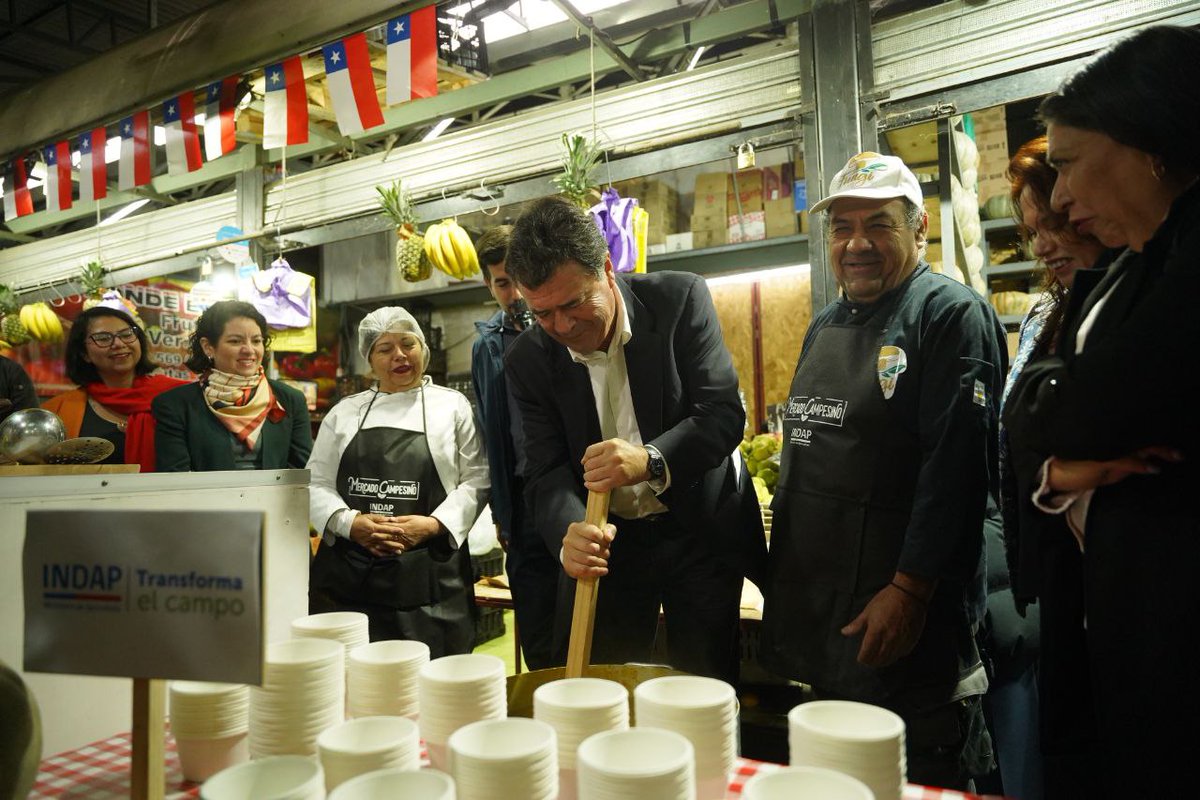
{"x": 124, "y": 212}
{"x": 760, "y": 275}
{"x": 438, "y": 129}
{"x": 695, "y": 58}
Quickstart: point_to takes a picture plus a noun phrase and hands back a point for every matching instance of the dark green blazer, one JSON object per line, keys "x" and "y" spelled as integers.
{"x": 189, "y": 438}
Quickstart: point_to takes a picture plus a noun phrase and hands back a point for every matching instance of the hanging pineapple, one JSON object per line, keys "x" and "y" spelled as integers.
{"x": 397, "y": 203}
{"x": 91, "y": 281}
{"x": 12, "y": 330}
{"x": 579, "y": 160}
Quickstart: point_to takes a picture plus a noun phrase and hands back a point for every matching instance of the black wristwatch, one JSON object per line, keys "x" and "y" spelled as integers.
{"x": 656, "y": 466}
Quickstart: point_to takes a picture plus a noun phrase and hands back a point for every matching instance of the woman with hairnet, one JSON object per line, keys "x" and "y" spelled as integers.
{"x": 399, "y": 476}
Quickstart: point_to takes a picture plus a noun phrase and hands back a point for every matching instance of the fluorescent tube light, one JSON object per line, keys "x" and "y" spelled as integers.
{"x": 437, "y": 130}
{"x": 760, "y": 275}
{"x": 125, "y": 211}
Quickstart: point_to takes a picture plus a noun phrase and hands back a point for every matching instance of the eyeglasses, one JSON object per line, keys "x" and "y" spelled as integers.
{"x": 106, "y": 339}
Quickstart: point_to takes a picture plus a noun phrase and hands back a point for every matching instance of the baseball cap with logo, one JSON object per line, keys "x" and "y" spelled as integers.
{"x": 873, "y": 176}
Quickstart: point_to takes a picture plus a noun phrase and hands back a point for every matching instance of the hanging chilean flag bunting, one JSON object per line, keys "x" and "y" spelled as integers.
{"x": 57, "y": 187}
{"x": 134, "y": 168}
{"x": 17, "y": 202}
{"x": 352, "y": 85}
{"x": 93, "y": 169}
{"x": 285, "y": 107}
{"x": 183, "y": 143}
{"x": 412, "y": 56}
{"x": 220, "y": 103}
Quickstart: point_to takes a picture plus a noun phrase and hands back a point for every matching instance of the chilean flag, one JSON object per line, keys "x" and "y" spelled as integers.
{"x": 183, "y": 143}
{"x": 57, "y": 187}
{"x": 220, "y": 102}
{"x": 412, "y": 56}
{"x": 285, "y": 107}
{"x": 134, "y": 168}
{"x": 17, "y": 202}
{"x": 93, "y": 171}
{"x": 352, "y": 85}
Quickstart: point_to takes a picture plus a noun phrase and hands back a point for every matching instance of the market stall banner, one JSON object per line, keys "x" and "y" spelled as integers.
{"x": 145, "y": 594}
{"x": 169, "y": 312}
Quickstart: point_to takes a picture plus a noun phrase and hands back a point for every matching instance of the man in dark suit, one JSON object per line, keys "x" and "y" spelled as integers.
{"x": 626, "y": 386}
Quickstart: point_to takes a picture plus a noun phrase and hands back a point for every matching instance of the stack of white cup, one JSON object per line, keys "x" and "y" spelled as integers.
{"x": 382, "y": 678}
{"x": 351, "y": 628}
{"x": 210, "y": 722}
{"x": 275, "y": 778}
{"x": 860, "y": 740}
{"x": 368, "y": 744}
{"x": 395, "y": 784}
{"x": 577, "y": 708}
{"x": 636, "y": 764}
{"x": 705, "y": 710}
{"x": 455, "y": 691}
{"x": 504, "y": 758}
{"x": 303, "y": 693}
{"x": 805, "y": 783}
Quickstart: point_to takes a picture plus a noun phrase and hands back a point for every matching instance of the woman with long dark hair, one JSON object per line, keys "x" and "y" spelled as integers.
{"x": 1110, "y": 416}
{"x": 108, "y": 356}
{"x": 234, "y": 417}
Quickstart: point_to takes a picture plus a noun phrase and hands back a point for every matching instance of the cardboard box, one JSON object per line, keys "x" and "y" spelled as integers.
{"x": 709, "y": 238}
{"x": 677, "y": 242}
{"x": 749, "y": 188}
{"x": 711, "y": 194}
{"x": 933, "y": 207}
{"x": 749, "y": 227}
{"x": 779, "y": 180}
{"x": 780, "y": 218}
{"x": 655, "y": 249}
{"x": 803, "y": 216}
{"x": 709, "y": 222}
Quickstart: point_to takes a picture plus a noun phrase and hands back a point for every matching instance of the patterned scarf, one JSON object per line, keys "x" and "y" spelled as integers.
{"x": 241, "y": 403}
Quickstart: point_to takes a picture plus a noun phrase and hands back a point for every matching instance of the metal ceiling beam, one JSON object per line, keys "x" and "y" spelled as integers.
{"x": 603, "y": 39}
{"x": 175, "y": 58}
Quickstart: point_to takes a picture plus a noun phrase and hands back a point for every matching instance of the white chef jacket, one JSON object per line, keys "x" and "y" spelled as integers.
{"x": 454, "y": 442}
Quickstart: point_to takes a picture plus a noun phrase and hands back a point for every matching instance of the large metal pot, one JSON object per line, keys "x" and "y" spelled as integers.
{"x": 27, "y": 434}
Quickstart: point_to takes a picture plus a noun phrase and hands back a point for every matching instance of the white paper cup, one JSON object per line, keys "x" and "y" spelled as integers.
{"x": 368, "y": 744}
{"x": 858, "y": 739}
{"x": 200, "y": 759}
{"x": 805, "y": 783}
{"x": 393, "y": 784}
{"x": 505, "y": 758}
{"x": 704, "y": 710}
{"x": 457, "y": 690}
{"x": 636, "y": 764}
{"x": 578, "y": 708}
{"x": 275, "y": 778}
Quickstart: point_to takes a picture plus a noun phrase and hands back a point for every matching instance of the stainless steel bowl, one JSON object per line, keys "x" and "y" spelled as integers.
{"x": 27, "y": 434}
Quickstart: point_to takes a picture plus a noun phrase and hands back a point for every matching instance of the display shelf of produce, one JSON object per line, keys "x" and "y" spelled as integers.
{"x": 1014, "y": 268}
{"x": 782, "y": 251}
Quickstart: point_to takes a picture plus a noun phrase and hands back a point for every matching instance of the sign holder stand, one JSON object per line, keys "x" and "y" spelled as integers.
{"x": 147, "y": 780}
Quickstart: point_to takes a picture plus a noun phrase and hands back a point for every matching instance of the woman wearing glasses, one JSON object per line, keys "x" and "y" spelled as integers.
{"x": 108, "y": 356}
{"x": 234, "y": 417}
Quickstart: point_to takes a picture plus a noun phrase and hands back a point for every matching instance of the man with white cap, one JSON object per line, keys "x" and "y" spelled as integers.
{"x": 398, "y": 478}
{"x": 889, "y": 454}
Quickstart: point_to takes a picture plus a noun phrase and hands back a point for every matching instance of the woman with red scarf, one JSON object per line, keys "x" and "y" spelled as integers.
{"x": 235, "y": 417}
{"x": 108, "y": 356}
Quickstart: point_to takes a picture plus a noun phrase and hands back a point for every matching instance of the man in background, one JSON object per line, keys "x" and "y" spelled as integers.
{"x": 532, "y": 570}
{"x": 16, "y": 389}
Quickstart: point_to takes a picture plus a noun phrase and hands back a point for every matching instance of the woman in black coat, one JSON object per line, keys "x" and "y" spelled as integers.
{"x": 234, "y": 417}
{"x": 1108, "y": 424}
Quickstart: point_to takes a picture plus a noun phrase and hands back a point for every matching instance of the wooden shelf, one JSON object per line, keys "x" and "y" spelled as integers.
{"x": 1015, "y": 268}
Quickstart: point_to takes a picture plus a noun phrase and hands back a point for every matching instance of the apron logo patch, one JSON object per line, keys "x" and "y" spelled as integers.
{"x": 376, "y": 489}
{"x": 891, "y": 363}
{"x": 980, "y": 393}
{"x": 823, "y": 410}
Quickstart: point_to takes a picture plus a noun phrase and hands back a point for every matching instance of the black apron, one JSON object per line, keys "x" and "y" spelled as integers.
{"x": 424, "y": 593}
{"x": 842, "y": 504}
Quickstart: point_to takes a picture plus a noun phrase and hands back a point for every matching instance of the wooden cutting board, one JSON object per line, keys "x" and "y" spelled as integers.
{"x": 41, "y": 470}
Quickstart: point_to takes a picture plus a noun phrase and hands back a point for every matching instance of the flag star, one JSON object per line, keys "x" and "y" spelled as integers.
{"x": 399, "y": 27}
{"x": 275, "y": 77}
{"x": 128, "y": 128}
{"x": 335, "y": 57}
{"x": 83, "y": 144}
{"x": 171, "y": 109}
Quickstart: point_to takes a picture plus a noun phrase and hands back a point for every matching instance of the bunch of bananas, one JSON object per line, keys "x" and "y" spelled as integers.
{"x": 41, "y": 322}
{"x": 450, "y": 249}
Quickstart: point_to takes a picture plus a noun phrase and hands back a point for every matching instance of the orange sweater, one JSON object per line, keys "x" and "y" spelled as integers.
{"x": 70, "y": 407}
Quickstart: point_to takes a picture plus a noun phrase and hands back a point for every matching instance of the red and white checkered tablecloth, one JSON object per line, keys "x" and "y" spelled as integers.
{"x": 100, "y": 771}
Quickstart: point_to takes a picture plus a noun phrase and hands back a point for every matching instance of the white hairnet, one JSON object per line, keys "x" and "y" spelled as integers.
{"x": 389, "y": 319}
